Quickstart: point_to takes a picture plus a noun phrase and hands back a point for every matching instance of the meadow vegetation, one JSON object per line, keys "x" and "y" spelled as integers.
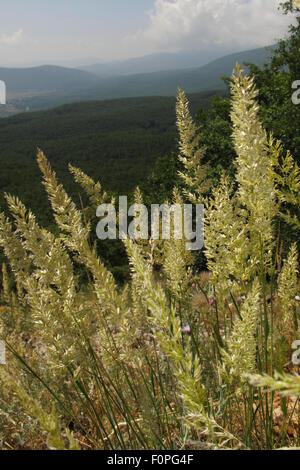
{"x": 174, "y": 359}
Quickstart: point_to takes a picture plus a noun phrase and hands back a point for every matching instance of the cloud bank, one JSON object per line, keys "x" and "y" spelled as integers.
{"x": 217, "y": 27}
{"x": 11, "y": 39}
{"x": 198, "y": 24}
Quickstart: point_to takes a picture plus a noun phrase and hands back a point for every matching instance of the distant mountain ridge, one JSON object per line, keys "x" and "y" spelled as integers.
{"x": 154, "y": 63}
{"x": 45, "y": 78}
{"x": 52, "y": 86}
{"x": 194, "y": 80}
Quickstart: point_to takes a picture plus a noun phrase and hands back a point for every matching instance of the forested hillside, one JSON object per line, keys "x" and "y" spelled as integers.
{"x": 45, "y": 78}
{"x": 114, "y": 141}
{"x": 169, "y": 61}
{"x": 42, "y": 94}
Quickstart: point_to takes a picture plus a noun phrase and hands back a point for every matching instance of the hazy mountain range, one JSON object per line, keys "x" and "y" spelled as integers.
{"x": 154, "y": 63}
{"x": 45, "y": 78}
{"x": 49, "y": 86}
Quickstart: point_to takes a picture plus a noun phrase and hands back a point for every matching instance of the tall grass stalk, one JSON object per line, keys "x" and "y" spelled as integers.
{"x": 179, "y": 360}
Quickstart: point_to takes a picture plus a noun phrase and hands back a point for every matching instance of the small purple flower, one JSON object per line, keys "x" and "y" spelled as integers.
{"x": 211, "y": 301}
{"x": 239, "y": 300}
{"x": 194, "y": 285}
{"x": 187, "y": 329}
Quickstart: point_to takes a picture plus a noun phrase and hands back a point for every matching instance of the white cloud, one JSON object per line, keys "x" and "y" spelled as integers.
{"x": 198, "y": 24}
{"x": 11, "y": 39}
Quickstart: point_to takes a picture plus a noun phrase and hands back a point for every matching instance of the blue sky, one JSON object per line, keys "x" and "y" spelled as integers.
{"x": 71, "y": 16}
{"x": 77, "y": 31}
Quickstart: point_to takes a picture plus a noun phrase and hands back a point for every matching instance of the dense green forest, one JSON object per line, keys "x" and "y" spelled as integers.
{"x": 115, "y": 141}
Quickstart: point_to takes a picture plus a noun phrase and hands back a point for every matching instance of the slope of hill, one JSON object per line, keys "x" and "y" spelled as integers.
{"x": 154, "y": 63}
{"x": 207, "y": 77}
{"x": 163, "y": 83}
{"x": 114, "y": 141}
{"x": 44, "y": 78}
